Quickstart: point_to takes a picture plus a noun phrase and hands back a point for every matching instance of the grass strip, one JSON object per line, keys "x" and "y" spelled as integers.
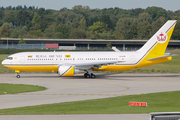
{"x": 157, "y": 102}
{"x": 18, "y": 88}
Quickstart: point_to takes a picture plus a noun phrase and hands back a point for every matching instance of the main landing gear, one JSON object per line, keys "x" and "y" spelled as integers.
{"x": 89, "y": 74}
{"x": 86, "y": 75}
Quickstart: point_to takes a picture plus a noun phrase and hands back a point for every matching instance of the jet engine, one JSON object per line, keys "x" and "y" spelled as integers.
{"x": 68, "y": 70}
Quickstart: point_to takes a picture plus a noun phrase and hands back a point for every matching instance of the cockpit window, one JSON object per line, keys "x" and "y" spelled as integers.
{"x": 9, "y": 58}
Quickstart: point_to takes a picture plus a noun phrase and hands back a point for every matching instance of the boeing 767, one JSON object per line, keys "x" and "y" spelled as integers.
{"x": 70, "y": 63}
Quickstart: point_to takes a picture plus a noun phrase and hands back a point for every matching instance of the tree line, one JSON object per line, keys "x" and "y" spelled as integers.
{"x": 81, "y": 22}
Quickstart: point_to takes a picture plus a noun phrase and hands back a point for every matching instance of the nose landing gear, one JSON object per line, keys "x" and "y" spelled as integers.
{"x": 18, "y": 76}
{"x": 17, "y": 71}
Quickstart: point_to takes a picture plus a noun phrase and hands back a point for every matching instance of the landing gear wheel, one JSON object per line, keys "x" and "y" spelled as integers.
{"x": 18, "y": 76}
{"x": 93, "y": 76}
{"x": 88, "y": 76}
{"x": 85, "y": 75}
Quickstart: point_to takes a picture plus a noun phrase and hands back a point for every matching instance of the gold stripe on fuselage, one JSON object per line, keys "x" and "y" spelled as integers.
{"x": 33, "y": 67}
{"x": 103, "y": 68}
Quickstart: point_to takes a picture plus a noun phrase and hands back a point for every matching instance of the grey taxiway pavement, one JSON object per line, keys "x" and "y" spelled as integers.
{"x": 66, "y": 89}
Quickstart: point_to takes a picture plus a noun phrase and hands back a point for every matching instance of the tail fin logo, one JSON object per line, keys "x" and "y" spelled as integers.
{"x": 162, "y": 37}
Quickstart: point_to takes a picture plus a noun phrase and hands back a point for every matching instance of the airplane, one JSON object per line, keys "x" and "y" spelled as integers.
{"x": 70, "y": 63}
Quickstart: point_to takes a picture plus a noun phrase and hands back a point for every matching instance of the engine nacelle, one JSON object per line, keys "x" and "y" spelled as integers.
{"x": 67, "y": 70}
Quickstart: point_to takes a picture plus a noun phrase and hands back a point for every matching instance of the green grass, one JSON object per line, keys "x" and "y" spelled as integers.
{"x": 18, "y": 88}
{"x": 158, "y": 102}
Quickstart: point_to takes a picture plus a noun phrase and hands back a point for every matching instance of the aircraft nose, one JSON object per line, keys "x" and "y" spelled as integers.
{"x": 3, "y": 62}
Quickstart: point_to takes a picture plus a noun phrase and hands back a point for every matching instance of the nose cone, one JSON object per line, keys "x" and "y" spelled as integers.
{"x": 4, "y": 62}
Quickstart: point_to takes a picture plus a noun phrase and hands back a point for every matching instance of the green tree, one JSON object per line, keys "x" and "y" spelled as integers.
{"x": 10, "y": 17}
{"x": 156, "y": 25}
{"x": 77, "y": 33}
{"x": 21, "y": 41}
{"x": 126, "y": 27}
{"x": 5, "y": 30}
{"x": 80, "y": 8}
{"x": 1, "y": 14}
{"x": 176, "y": 33}
{"x": 42, "y": 23}
{"x": 144, "y": 30}
{"x": 144, "y": 17}
{"x": 83, "y": 25}
{"x": 97, "y": 27}
{"x": 58, "y": 35}
{"x": 93, "y": 19}
{"x": 107, "y": 22}
{"x": 41, "y": 11}
{"x": 49, "y": 31}
{"x": 24, "y": 30}
{"x": 14, "y": 34}
{"x": 109, "y": 46}
{"x": 35, "y": 22}
{"x": 36, "y": 33}
{"x": 20, "y": 17}
{"x": 156, "y": 12}
{"x": 64, "y": 29}
{"x": 76, "y": 22}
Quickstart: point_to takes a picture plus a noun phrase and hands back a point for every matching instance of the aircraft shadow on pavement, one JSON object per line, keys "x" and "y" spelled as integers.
{"x": 107, "y": 76}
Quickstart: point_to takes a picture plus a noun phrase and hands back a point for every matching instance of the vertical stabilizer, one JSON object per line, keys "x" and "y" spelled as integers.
{"x": 157, "y": 45}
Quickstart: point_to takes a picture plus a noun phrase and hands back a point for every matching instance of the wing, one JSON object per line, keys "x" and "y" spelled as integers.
{"x": 96, "y": 65}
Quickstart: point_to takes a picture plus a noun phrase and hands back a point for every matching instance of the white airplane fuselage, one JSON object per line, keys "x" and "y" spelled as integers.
{"x": 70, "y": 63}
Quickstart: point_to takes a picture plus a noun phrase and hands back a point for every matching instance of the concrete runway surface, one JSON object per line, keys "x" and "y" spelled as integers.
{"x": 66, "y": 89}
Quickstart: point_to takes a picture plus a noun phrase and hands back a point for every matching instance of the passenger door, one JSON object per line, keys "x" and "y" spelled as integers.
{"x": 22, "y": 59}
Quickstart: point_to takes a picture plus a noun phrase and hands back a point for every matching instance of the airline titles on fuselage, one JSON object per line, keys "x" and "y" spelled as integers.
{"x": 50, "y": 56}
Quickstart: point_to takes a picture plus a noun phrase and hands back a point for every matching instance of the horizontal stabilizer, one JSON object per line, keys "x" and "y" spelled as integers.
{"x": 115, "y": 49}
{"x": 158, "y": 58}
{"x": 167, "y": 54}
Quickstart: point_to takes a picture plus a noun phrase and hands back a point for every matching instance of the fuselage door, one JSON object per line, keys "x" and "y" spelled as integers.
{"x": 22, "y": 59}
{"x": 132, "y": 58}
